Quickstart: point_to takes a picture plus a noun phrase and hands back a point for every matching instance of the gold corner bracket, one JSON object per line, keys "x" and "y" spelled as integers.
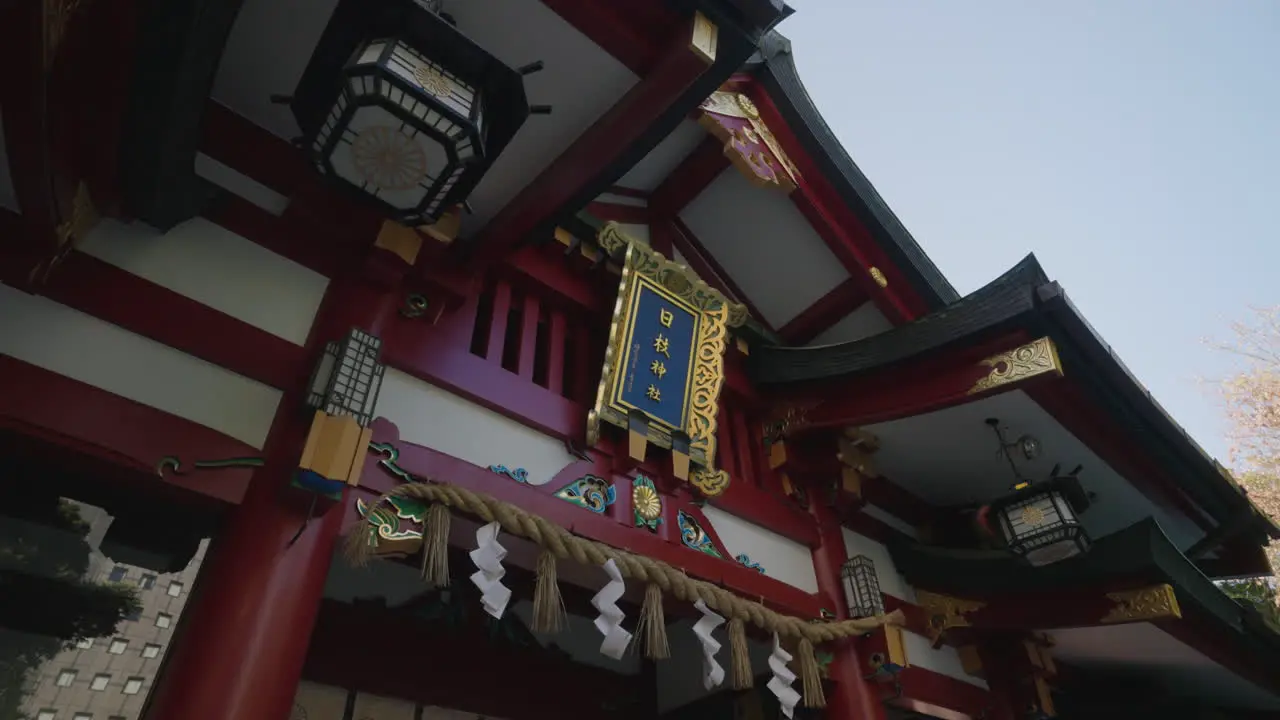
{"x": 945, "y": 612}
{"x": 1024, "y": 362}
{"x": 1158, "y": 602}
{"x": 664, "y": 363}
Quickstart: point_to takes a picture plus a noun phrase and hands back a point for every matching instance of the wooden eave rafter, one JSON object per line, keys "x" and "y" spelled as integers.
{"x": 682, "y": 77}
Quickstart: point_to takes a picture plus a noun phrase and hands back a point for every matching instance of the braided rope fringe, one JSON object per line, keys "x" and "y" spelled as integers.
{"x": 564, "y": 545}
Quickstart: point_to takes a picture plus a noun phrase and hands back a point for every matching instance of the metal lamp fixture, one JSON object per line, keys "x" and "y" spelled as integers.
{"x": 347, "y": 378}
{"x": 1040, "y": 521}
{"x": 399, "y": 105}
{"x": 861, "y": 587}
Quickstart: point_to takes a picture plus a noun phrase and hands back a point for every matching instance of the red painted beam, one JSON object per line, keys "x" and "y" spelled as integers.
{"x": 898, "y": 502}
{"x": 48, "y": 407}
{"x": 596, "y": 149}
{"x": 689, "y": 178}
{"x": 825, "y": 312}
{"x": 911, "y": 387}
{"x": 121, "y": 298}
{"x": 837, "y": 223}
{"x": 425, "y": 462}
{"x": 629, "y": 192}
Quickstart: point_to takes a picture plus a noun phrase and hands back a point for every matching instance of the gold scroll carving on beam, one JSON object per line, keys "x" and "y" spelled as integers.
{"x": 734, "y": 120}
{"x": 945, "y": 612}
{"x": 664, "y": 362}
{"x": 1036, "y": 358}
{"x": 1150, "y": 603}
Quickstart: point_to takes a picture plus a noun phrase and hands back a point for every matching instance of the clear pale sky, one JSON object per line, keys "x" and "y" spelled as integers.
{"x": 1132, "y": 145}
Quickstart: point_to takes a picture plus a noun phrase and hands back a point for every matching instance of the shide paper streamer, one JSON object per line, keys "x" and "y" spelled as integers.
{"x": 780, "y": 683}
{"x": 488, "y": 557}
{"x": 712, "y": 673}
{"x": 609, "y": 622}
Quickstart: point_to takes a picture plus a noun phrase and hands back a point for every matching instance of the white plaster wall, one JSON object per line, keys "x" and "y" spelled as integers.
{"x": 217, "y": 268}
{"x": 891, "y": 581}
{"x": 436, "y": 418}
{"x": 234, "y": 181}
{"x": 782, "y": 558}
{"x": 864, "y": 322}
{"x": 944, "y": 661}
{"x": 55, "y": 337}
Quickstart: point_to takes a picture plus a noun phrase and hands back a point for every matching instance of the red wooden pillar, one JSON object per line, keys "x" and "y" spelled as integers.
{"x": 243, "y": 640}
{"x": 853, "y": 697}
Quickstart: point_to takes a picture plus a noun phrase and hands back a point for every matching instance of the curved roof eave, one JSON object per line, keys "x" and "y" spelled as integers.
{"x": 776, "y": 70}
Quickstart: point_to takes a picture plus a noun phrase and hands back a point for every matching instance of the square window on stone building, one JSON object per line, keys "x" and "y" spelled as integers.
{"x": 150, "y": 650}
{"x": 100, "y": 681}
{"x": 47, "y": 715}
{"x": 118, "y": 646}
{"x": 83, "y": 716}
{"x": 175, "y": 589}
{"x": 163, "y": 620}
{"x": 132, "y": 686}
{"x": 66, "y": 677}
{"x": 85, "y": 644}
{"x": 147, "y": 582}
{"x": 117, "y": 574}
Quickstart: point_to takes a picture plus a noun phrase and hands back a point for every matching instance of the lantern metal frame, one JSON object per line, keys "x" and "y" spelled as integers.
{"x": 1041, "y": 516}
{"x": 861, "y": 587}
{"x": 325, "y": 99}
{"x": 348, "y": 377}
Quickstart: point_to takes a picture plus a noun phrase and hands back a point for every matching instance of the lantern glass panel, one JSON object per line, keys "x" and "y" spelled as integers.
{"x": 348, "y": 378}
{"x": 862, "y": 587}
{"x": 1043, "y": 528}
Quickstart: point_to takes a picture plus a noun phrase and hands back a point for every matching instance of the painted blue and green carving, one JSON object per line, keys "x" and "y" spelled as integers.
{"x": 519, "y": 474}
{"x": 692, "y": 535}
{"x": 590, "y": 492}
{"x": 390, "y": 459}
{"x": 745, "y": 560}
{"x": 646, "y": 503}
{"x": 397, "y": 523}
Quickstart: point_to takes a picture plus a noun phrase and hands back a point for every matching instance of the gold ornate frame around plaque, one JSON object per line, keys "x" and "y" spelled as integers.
{"x": 716, "y": 315}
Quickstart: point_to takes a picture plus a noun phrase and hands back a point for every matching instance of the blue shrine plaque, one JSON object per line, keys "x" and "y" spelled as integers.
{"x": 664, "y": 365}
{"x": 658, "y": 355}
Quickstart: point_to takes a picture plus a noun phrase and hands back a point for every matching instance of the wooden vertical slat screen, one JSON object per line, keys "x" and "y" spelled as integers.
{"x": 529, "y": 336}
{"x": 498, "y": 322}
{"x": 555, "y": 352}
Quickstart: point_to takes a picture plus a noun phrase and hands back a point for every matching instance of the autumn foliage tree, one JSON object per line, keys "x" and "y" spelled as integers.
{"x": 1251, "y": 398}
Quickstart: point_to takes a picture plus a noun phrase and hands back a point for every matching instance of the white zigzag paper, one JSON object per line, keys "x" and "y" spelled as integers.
{"x": 712, "y": 673}
{"x": 609, "y": 623}
{"x": 780, "y": 684}
{"x": 488, "y": 557}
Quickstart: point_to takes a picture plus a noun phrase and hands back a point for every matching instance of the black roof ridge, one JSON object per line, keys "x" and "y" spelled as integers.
{"x": 999, "y": 302}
